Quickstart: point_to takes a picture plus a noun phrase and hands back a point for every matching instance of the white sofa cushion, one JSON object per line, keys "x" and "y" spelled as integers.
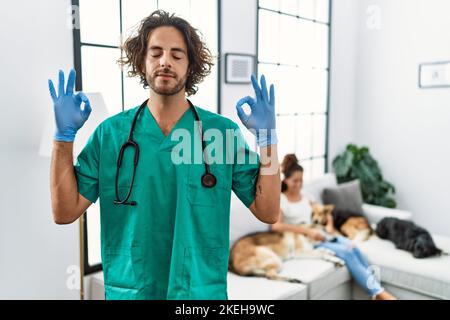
{"x": 320, "y": 276}
{"x": 430, "y": 276}
{"x": 249, "y": 288}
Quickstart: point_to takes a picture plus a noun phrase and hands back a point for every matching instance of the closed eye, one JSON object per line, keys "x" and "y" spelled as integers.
{"x": 158, "y": 55}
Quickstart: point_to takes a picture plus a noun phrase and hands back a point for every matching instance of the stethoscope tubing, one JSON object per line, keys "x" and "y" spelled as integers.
{"x": 208, "y": 180}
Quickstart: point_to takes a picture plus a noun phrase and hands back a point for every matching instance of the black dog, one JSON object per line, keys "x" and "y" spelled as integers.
{"x": 408, "y": 236}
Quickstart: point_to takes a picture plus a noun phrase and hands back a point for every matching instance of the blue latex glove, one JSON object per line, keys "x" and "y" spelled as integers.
{"x": 261, "y": 120}
{"x": 68, "y": 114}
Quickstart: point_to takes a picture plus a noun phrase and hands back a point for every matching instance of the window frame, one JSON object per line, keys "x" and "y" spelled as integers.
{"x": 326, "y": 113}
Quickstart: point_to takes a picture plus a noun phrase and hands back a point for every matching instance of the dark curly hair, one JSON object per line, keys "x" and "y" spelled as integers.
{"x": 135, "y": 49}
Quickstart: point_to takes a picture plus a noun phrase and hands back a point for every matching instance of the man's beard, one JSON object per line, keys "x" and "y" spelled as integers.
{"x": 166, "y": 91}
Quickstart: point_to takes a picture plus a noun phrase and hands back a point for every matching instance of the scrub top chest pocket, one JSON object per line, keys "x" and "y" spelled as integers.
{"x": 199, "y": 195}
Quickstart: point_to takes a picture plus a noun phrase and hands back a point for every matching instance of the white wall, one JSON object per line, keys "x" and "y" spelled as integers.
{"x": 374, "y": 77}
{"x": 238, "y": 35}
{"x": 406, "y": 127}
{"x": 34, "y": 252}
{"x": 341, "y": 126}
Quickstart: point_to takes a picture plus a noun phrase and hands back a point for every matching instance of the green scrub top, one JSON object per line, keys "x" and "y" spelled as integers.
{"x": 174, "y": 244}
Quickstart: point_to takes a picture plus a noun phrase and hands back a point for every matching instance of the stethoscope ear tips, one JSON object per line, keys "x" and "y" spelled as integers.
{"x": 208, "y": 180}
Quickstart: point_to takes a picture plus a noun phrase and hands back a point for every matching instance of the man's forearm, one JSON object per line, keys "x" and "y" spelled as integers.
{"x": 268, "y": 187}
{"x": 64, "y": 192}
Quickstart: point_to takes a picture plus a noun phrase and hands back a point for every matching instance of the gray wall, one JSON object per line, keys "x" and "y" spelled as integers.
{"x": 34, "y": 252}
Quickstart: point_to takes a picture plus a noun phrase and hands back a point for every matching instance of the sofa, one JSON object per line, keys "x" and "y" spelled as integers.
{"x": 404, "y": 276}
{"x": 400, "y": 273}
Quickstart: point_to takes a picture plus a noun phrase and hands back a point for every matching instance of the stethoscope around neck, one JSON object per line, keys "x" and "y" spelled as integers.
{"x": 208, "y": 180}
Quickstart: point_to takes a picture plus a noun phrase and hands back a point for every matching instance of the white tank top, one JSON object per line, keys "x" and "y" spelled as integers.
{"x": 298, "y": 212}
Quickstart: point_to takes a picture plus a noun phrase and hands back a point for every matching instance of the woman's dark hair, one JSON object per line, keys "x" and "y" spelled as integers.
{"x": 289, "y": 165}
{"x": 135, "y": 49}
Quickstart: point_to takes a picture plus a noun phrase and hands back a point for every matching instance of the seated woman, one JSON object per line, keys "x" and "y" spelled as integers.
{"x": 295, "y": 216}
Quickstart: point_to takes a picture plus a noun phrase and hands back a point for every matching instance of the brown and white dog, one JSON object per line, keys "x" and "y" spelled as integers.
{"x": 262, "y": 254}
{"x": 350, "y": 224}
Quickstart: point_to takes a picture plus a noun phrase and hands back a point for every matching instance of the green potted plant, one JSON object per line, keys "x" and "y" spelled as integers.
{"x": 358, "y": 163}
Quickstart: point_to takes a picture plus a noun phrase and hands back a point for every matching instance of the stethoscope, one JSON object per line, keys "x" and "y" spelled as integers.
{"x": 208, "y": 180}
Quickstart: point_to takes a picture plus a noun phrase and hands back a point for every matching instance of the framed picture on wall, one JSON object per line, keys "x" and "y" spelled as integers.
{"x": 239, "y": 67}
{"x": 434, "y": 75}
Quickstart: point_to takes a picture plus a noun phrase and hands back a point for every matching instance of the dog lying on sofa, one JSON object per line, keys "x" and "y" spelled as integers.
{"x": 353, "y": 225}
{"x": 408, "y": 236}
{"x": 262, "y": 253}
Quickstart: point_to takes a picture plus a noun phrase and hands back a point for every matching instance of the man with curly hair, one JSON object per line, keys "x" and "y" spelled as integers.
{"x": 164, "y": 234}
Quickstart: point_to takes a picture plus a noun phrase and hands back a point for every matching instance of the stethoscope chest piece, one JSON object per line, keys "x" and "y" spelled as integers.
{"x": 208, "y": 180}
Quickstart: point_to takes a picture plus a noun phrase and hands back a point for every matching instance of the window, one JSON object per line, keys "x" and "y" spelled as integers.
{"x": 103, "y": 24}
{"x": 293, "y": 53}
